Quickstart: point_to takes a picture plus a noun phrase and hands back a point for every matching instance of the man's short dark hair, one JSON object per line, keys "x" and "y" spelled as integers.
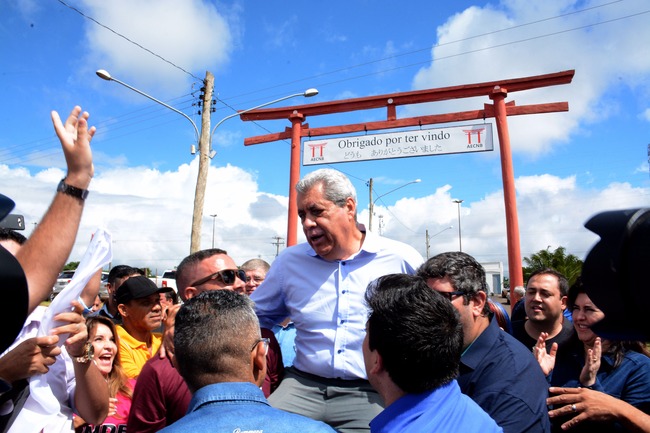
{"x": 213, "y": 337}
{"x": 12, "y": 235}
{"x": 563, "y": 283}
{"x": 189, "y": 262}
{"x": 466, "y": 274}
{"x": 415, "y": 330}
{"x": 121, "y": 271}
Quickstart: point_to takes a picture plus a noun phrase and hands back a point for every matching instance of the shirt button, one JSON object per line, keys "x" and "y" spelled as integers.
{"x": 342, "y": 322}
{"x": 340, "y": 351}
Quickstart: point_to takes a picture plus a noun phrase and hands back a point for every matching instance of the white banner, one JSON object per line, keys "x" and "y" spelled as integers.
{"x": 423, "y": 142}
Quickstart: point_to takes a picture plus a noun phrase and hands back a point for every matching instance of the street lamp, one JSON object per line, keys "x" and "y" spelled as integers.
{"x": 371, "y": 202}
{"x": 428, "y": 238}
{"x": 214, "y": 217}
{"x": 104, "y": 75}
{"x": 460, "y": 242}
{"x": 201, "y": 181}
{"x": 307, "y": 94}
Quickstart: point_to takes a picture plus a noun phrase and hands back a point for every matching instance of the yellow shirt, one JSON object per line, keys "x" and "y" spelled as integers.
{"x": 134, "y": 353}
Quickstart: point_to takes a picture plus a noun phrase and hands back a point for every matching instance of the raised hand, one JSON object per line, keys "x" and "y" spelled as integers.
{"x": 75, "y": 137}
{"x": 592, "y": 364}
{"x": 546, "y": 360}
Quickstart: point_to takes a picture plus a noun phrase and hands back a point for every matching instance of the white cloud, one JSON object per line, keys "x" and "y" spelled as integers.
{"x": 600, "y": 54}
{"x": 646, "y": 114}
{"x": 201, "y": 40}
{"x": 551, "y": 211}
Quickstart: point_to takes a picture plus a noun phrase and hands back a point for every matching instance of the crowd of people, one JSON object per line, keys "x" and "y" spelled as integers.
{"x": 347, "y": 332}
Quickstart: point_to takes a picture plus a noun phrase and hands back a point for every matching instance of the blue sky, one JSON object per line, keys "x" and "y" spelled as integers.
{"x": 568, "y": 166}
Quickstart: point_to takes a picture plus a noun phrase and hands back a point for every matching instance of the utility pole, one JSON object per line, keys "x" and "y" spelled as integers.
{"x": 426, "y": 241}
{"x": 371, "y": 205}
{"x": 204, "y": 162}
{"x": 278, "y": 241}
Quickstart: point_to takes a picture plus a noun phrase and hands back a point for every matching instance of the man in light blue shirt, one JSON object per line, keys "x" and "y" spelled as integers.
{"x": 412, "y": 352}
{"x": 222, "y": 357}
{"x": 320, "y": 286}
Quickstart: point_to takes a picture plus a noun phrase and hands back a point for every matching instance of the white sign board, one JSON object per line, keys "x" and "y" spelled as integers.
{"x": 423, "y": 142}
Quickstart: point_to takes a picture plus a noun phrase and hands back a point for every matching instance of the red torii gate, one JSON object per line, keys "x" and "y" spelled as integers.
{"x": 500, "y": 110}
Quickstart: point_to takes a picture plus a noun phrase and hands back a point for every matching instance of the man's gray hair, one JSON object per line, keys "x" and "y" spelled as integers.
{"x": 336, "y": 186}
{"x": 253, "y": 264}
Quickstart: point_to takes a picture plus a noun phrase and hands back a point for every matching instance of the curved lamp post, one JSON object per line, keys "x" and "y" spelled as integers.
{"x": 371, "y": 202}
{"x": 201, "y": 181}
{"x": 428, "y": 238}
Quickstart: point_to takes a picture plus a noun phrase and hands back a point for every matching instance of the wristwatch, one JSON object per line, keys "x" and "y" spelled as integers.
{"x": 72, "y": 191}
{"x": 87, "y": 354}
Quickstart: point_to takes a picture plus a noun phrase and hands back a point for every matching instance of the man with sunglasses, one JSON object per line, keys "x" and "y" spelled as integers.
{"x": 161, "y": 396}
{"x": 320, "y": 284}
{"x": 498, "y": 372}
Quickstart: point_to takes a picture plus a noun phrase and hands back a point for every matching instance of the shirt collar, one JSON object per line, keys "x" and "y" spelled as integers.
{"x": 226, "y": 392}
{"x": 370, "y": 244}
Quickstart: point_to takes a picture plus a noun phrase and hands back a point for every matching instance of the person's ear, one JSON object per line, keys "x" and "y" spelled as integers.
{"x": 191, "y": 292}
{"x": 477, "y": 303}
{"x": 377, "y": 363}
{"x": 258, "y": 363}
{"x": 351, "y": 207}
{"x": 563, "y": 302}
{"x": 123, "y": 310}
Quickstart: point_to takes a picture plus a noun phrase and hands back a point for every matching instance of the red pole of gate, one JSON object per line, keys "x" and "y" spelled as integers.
{"x": 498, "y": 95}
{"x": 294, "y": 176}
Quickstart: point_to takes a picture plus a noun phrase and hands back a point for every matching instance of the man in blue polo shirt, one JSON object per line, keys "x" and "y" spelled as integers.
{"x": 496, "y": 371}
{"x": 411, "y": 353}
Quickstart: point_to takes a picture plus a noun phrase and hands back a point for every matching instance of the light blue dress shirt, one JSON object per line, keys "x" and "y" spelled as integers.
{"x": 325, "y": 300}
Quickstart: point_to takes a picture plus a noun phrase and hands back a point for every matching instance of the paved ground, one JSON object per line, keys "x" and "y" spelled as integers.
{"x": 502, "y": 301}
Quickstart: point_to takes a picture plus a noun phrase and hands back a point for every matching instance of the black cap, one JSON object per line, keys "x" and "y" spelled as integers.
{"x": 135, "y": 288}
{"x": 6, "y": 205}
{"x": 615, "y": 273}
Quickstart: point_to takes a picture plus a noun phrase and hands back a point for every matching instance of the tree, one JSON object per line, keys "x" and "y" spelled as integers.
{"x": 568, "y": 265}
{"x": 71, "y": 266}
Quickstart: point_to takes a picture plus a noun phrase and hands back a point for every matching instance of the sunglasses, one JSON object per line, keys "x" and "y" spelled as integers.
{"x": 450, "y": 295}
{"x": 227, "y": 276}
{"x": 266, "y": 342}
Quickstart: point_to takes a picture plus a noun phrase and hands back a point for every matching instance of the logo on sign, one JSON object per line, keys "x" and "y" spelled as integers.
{"x": 474, "y": 133}
{"x": 317, "y": 150}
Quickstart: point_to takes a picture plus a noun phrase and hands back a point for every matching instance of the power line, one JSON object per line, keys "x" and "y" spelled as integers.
{"x": 129, "y": 40}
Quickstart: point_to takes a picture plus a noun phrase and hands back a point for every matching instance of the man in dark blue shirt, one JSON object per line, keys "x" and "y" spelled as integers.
{"x": 496, "y": 371}
{"x": 411, "y": 353}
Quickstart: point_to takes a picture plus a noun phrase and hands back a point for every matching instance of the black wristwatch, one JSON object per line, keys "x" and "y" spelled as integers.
{"x": 72, "y": 191}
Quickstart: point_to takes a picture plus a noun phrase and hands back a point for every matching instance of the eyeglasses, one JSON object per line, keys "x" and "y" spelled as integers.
{"x": 266, "y": 342}
{"x": 227, "y": 276}
{"x": 450, "y": 295}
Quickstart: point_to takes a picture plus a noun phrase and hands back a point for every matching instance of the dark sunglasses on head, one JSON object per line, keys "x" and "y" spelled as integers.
{"x": 450, "y": 295}
{"x": 227, "y": 276}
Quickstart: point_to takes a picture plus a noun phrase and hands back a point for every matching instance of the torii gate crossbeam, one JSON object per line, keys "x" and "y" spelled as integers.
{"x": 495, "y": 90}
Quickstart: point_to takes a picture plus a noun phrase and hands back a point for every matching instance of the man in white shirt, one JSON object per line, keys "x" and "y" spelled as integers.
{"x": 320, "y": 285}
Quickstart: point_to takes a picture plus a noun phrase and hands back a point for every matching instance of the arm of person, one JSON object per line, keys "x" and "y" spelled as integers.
{"x": 91, "y": 396}
{"x": 91, "y": 290}
{"x": 43, "y": 255}
{"x": 30, "y": 357}
{"x": 595, "y": 406}
{"x": 269, "y": 299}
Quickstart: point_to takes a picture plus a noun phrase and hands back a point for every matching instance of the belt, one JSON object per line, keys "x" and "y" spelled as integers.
{"x": 329, "y": 381}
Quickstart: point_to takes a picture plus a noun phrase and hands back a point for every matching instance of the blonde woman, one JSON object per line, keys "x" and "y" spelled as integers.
{"x": 103, "y": 337}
